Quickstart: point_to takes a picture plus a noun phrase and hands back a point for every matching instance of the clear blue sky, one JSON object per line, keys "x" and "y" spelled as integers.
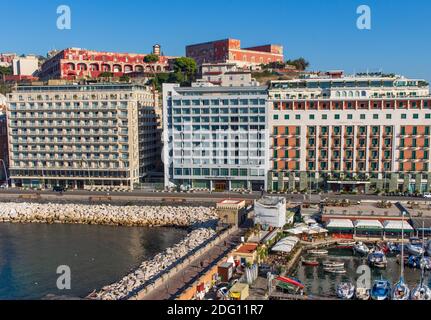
{"x": 322, "y": 31}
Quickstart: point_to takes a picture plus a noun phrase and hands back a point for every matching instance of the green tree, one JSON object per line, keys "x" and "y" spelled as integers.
{"x": 151, "y": 58}
{"x": 187, "y": 67}
{"x": 106, "y": 74}
{"x": 125, "y": 78}
{"x": 6, "y": 70}
{"x": 300, "y": 64}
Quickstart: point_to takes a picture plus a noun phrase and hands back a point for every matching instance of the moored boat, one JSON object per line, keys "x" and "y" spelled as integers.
{"x": 421, "y": 292}
{"x": 401, "y": 291}
{"x": 312, "y": 263}
{"x": 333, "y": 264}
{"x": 360, "y": 248}
{"x": 318, "y": 252}
{"x": 335, "y": 270}
{"x": 381, "y": 290}
{"x": 345, "y": 291}
{"x": 377, "y": 259}
{"x": 414, "y": 249}
{"x": 362, "y": 293}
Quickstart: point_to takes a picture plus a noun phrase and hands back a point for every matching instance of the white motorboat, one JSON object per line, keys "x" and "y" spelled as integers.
{"x": 414, "y": 249}
{"x": 345, "y": 291}
{"x": 421, "y": 292}
{"x": 361, "y": 248}
{"x": 362, "y": 293}
{"x": 335, "y": 270}
{"x": 401, "y": 290}
{"x": 381, "y": 290}
{"x": 318, "y": 252}
{"x": 377, "y": 259}
{"x": 333, "y": 264}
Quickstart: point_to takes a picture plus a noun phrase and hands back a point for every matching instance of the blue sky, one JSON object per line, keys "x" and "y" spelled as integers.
{"x": 322, "y": 31}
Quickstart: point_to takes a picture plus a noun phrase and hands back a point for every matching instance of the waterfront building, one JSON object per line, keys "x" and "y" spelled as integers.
{"x": 76, "y": 63}
{"x": 226, "y": 75}
{"x": 270, "y": 211}
{"x": 6, "y": 59}
{"x": 232, "y": 212}
{"x": 215, "y": 137}
{"x": 82, "y": 136}
{"x": 25, "y": 66}
{"x": 230, "y": 51}
{"x": 362, "y": 133}
{"x": 4, "y": 157}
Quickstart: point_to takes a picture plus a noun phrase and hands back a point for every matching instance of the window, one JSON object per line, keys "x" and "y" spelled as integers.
{"x": 286, "y": 117}
{"x": 362, "y": 116}
{"x": 375, "y": 116}
{"x": 337, "y": 117}
{"x": 428, "y": 116}
{"x": 388, "y": 116}
{"x": 275, "y": 116}
{"x": 311, "y": 116}
{"x": 403, "y": 116}
{"x": 298, "y": 117}
{"x": 415, "y": 116}
{"x": 324, "y": 116}
{"x": 349, "y": 116}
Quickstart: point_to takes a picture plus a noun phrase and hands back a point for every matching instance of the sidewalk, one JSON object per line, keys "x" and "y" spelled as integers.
{"x": 198, "y": 267}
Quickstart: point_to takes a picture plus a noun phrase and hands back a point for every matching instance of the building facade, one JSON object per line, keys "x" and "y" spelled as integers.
{"x": 360, "y": 134}
{"x": 230, "y": 51}
{"x": 226, "y": 75}
{"x": 215, "y": 137}
{"x": 75, "y": 63}
{"x": 25, "y": 66}
{"x": 4, "y": 156}
{"x": 82, "y": 136}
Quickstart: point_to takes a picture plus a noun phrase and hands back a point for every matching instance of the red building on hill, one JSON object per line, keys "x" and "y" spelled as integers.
{"x": 75, "y": 63}
{"x": 229, "y": 51}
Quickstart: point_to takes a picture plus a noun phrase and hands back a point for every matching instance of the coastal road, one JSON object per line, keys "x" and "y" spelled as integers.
{"x": 184, "y": 279}
{"x": 7, "y": 194}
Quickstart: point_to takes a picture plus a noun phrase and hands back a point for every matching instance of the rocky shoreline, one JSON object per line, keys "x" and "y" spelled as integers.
{"x": 150, "y": 268}
{"x": 106, "y": 214}
{"x": 199, "y": 218}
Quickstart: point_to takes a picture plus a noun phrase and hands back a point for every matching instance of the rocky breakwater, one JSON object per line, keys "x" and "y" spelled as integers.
{"x": 181, "y": 216}
{"x": 150, "y": 269}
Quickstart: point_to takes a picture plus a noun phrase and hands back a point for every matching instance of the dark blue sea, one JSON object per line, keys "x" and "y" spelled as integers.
{"x": 97, "y": 255}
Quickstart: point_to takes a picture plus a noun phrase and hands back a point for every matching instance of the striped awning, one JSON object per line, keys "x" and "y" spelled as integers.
{"x": 340, "y": 224}
{"x": 396, "y": 225}
{"x": 368, "y": 224}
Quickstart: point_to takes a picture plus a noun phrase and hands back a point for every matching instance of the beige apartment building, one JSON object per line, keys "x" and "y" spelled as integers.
{"x": 82, "y": 136}
{"x": 361, "y": 133}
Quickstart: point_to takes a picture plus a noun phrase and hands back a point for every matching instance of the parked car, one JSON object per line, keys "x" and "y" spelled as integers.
{"x": 4, "y": 186}
{"x": 59, "y": 189}
{"x": 222, "y": 293}
{"x": 427, "y": 195}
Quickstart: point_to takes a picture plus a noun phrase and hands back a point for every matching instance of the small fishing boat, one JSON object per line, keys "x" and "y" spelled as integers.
{"x": 362, "y": 293}
{"x": 414, "y": 249}
{"x": 333, "y": 264}
{"x": 345, "y": 291}
{"x": 425, "y": 263}
{"x": 377, "y": 259}
{"x": 393, "y": 247}
{"x": 312, "y": 263}
{"x": 381, "y": 290}
{"x": 360, "y": 248}
{"x": 345, "y": 245}
{"x": 421, "y": 292}
{"x": 318, "y": 252}
{"x": 335, "y": 270}
{"x": 401, "y": 291}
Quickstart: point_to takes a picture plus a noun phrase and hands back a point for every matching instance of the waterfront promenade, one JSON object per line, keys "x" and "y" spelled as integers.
{"x": 185, "y": 278}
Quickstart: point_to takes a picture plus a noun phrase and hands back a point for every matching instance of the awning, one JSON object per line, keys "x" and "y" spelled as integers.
{"x": 287, "y": 248}
{"x": 371, "y": 225}
{"x": 396, "y": 225}
{"x": 340, "y": 224}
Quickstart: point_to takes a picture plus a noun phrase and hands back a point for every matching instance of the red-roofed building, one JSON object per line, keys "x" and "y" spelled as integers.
{"x": 75, "y": 63}
{"x": 229, "y": 51}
